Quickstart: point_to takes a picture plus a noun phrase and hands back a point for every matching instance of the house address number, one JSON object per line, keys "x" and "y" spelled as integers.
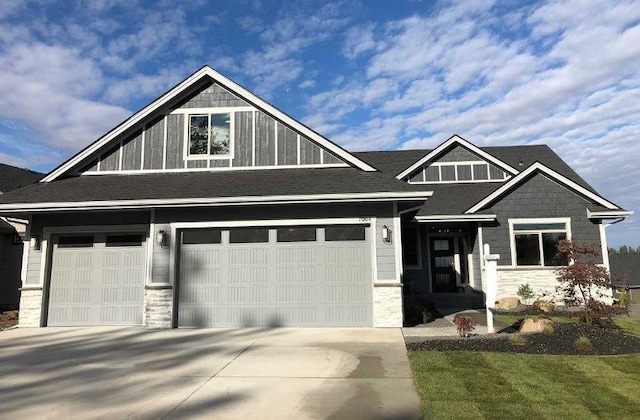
{"x": 364, "y": 219}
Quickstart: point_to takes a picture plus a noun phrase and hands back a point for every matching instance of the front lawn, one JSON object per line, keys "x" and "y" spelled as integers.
{"x": 472, "y": 385}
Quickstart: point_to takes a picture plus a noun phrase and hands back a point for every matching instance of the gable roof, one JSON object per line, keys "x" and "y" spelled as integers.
{"x": 12, "y": 178}
{"x": 540, "y": 168}
{"x": 455, "y": 139}
{"x": 297, "y": 185}
{"x": 195, "y": 78}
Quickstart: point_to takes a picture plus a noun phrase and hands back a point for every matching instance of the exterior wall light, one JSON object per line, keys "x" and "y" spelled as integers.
{"x": 161, "y": 238}
{"x": 386, "y": 233}
{"x": 34, "y": 243}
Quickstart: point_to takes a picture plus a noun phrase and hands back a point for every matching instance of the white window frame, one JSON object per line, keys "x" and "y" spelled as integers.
{"x": 439, "y": 165}
{"x": 208, "y": 112}
{"x": 539, "y": 232}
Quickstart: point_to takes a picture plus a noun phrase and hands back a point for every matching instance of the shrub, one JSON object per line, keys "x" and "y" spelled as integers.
{"x": 548, "y": 330}
{"x": 582, "y": 283}
{"x": 464, "y": 325}
{"x": 517, "y": 340}
{"x": 583, "y": 344}
{"x": 525, "y": 292}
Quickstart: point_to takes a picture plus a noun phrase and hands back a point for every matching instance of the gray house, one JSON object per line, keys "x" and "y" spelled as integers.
{"x": 12, "y": 231}
{"x": 211, "y": 207}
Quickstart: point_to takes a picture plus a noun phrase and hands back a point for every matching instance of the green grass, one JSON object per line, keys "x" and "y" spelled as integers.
{"x": 467, "y": 385}
{"x": 628, "y": 325}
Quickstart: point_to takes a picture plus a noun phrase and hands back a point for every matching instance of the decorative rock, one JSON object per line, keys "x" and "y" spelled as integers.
{"x": 508, "y": 303}
{"x": 544, "y": 306}
{"x": 535, "y": 325}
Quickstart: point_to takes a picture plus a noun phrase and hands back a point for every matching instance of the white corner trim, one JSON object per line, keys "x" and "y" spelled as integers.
{"x": 217, "y": 201}
{"x": 608, "y": 214}
{"x": 458, "y": 218}
{"x": 464, "y": 143}
{"x": 207, "y": 71}
{"x": 549, "y": 172}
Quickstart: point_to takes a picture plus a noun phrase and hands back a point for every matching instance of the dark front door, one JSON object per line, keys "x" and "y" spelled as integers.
{"x": 443, "y": 270}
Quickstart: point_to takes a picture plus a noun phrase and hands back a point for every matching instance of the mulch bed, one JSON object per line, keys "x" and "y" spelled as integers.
{"x": 604, "y": 341}
{"x": 8, "y": 319}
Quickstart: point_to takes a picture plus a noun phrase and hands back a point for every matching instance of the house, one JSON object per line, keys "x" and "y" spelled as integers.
{"x": 211, "y": 207}
{"x": 12, "y": 231}
{"x": 625, "y": 274}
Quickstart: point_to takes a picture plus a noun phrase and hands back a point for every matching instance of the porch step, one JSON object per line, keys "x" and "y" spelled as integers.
{"x": 449, "y": 300}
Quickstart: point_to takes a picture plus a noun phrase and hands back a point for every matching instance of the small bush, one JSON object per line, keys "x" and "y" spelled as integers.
{"x": 517, "y": 340}
{"x": 525, "y": 292}
{"x": 464, "y": 325}
{"x": 583, "y": 344}
{"x": 548, "y": 330}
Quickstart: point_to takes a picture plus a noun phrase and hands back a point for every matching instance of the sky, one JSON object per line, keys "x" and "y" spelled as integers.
{"x": 369, "y": 75}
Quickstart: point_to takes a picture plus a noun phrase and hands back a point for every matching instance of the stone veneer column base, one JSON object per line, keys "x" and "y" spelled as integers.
{"x": 30, "y": 307}
{"x": 387, "y": 305}
{"x": 158, "y": 307}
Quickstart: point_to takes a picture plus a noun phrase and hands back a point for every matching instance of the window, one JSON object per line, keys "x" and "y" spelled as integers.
{"x": 210, "y": 135}
{"x": 201, "y": 236}
{"x": 75, "y": 242}
{"x": 248, "y": 236}
{"x": 296, "y": 234}
{"x": 476, "y": 171}
{"x": 536, "y": 242}
{"x": 124, "y": 240}
{"x": 344, "y": 233}
{"x": 411, "y": 247}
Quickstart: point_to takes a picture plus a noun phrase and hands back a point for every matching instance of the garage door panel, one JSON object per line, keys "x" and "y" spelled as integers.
{"x": 92, "y": 284}
{"x": 306, "y": 283}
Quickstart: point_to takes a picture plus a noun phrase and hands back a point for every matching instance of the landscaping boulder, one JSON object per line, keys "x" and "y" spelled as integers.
{"x": 535, "y": 325}
{"x": 508, "y": 303}
{"x": 544, "y": 306}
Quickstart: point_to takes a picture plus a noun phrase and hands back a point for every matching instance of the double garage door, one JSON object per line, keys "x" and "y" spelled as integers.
{"x": 282, "y": 276}
{"x": 285, "y": 276}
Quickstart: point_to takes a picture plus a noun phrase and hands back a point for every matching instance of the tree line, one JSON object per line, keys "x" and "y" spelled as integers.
{"x": 624, "y": 249}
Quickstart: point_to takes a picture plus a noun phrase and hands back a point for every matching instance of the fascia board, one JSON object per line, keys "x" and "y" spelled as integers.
{"x": 608, "y": 214}
{"x": 457, "y": 218}
{"x": 462, "y": 142}
{"x": 537, "y": 166}
{"x": 216, "y": 201}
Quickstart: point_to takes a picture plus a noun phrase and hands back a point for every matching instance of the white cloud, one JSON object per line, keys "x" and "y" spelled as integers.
{"x": 358, "y": 40}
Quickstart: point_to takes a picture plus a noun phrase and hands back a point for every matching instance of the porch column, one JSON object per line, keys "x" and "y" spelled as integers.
{"x": 491, "y": 278}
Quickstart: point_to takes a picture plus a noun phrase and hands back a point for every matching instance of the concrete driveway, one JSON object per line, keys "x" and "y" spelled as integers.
{"x": 213, "y": 373}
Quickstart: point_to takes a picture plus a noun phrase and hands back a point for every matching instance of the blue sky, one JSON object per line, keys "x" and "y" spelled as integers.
{"x": 368, "y": 75}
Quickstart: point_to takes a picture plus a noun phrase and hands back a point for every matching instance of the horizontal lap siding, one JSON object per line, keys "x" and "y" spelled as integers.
{"x": 539, "y": 197}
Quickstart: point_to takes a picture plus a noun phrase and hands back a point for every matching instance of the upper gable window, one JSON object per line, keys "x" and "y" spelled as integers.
{"x": 451, "y": 172}
{"x": 210, "y": 135}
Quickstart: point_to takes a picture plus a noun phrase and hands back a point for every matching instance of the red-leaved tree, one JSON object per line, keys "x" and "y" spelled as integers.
{"x": 584, "y": 283}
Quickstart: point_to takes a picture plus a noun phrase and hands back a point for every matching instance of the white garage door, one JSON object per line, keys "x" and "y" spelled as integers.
{"x": 97, "y": 279}
{"x": 287, "y": 276}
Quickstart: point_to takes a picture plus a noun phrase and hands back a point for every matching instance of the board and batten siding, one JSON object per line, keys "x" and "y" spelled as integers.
{"x": 539, "y": 197}
{"x": 258, "y": 140}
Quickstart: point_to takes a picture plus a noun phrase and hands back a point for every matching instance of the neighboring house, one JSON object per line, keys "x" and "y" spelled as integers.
{"x": 211, "y": 207}
{"x": 12, "y": 231}
{"x": 625, "y": 274}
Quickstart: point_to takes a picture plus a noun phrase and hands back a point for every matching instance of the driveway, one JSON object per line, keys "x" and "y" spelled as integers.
{"x": 214, "y": 373}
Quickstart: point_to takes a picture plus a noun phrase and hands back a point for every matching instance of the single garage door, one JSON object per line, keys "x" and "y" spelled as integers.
{"x": 286, "y": 276}
{"x": 97, "y": 279}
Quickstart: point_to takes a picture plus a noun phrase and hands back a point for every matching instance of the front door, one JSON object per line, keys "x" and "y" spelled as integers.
{"x": 443, "y": 270}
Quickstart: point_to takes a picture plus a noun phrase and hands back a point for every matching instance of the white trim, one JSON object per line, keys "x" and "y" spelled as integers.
{"x": 604, "y": 249}
{"x": 549, "y": 172}
{"x": 144, "y": 140}
{"x": 207, "y": 156}
{"x": 275, "y": 142}
{"x": 215, "y": 169}
{"x": 374, "y": 250}
{"x": 512, "y": 238}
{"x": 121, "y": 153}
{"x": 164, "y": 143}
{"x": 464, "y": 143}
{"x": 253, "y": 140}
{"x": 608, "y": 214}
{"x": 457, "y": 218}
{"x": 190, "y": 81}
{"x": 456, "y": 165}
{"x": 151, "y": 239}
{"x": 396, "y": 237}
{"x": 25, "y": 253}
{"x": 298, "y": 146}
{"x": 213, "y": 201}
{"x": 212, "y": 110}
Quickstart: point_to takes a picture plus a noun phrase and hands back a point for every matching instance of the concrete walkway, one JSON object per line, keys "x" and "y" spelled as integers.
{"x": 444, "y": 327}
{"x": 206, "y": 373}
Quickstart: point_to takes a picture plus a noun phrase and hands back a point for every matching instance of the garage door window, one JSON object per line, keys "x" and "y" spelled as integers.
{"x": 75, "y": 242}
{"x": 298, "y": 234}
{"x": 248, "y": 235}
{"x": 124, "y": 240}
{"x": 344, "y": 233}
{"x": 202, "y": 236}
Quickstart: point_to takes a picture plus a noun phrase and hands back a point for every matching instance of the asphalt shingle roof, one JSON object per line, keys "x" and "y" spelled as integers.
{"x": 12, "y": 178}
